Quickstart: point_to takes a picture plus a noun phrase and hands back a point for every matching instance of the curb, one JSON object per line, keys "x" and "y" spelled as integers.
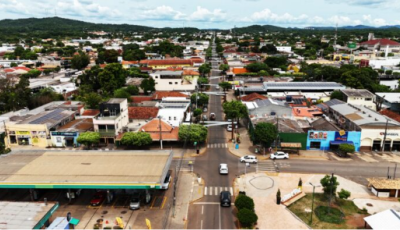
{"x": 202, "y": 196}
{"x": 194, "y": 154}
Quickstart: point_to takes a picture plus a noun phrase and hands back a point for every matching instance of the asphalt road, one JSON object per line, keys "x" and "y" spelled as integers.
{"x": 207, "y": 212}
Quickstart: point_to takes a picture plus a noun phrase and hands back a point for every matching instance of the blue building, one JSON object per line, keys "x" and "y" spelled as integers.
{"x": 67, "y": 135}
{"x": 330, "y": 140}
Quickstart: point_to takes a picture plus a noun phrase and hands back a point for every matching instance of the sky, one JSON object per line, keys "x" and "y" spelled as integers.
{"x": 206, "y": 14}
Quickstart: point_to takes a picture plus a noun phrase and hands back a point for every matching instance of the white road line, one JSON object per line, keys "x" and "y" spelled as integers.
{"x": 208, "y": 146}
{"x": 210, "y": 203}
{"x": 231, "y": 189}
{"x": 226, "y": 189}
{"x": 205, "y": 191}
{"x": 210, "y": 191}
{"x": 201, "y": 224}
{"x": 226, "y": 145}
{"x": 216, "y": 191}
{"x": 219, "y": 217}
{"x": 202, "y": 210}
{"x": 218, "y": 145}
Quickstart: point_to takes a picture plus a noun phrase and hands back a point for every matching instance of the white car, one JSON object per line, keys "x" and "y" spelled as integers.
{"x": 249, "y": 159}
{"x": 223, "y": 169}
{"x": 279, "y": 155}
{"x": 229, "y": 128}
{"x": 167, "y": 180}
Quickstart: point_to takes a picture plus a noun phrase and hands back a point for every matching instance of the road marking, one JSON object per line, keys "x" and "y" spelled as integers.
{"x": 231, "y": 191}
{"x": 226, "y": 145}
{"x": 216, "y": 191}
{"x": 211, "y": 191}
{"x": 165, "y": 199}
{"x": 208, "y": 146}
{"x": 201, "y": 224}
{"x": 205, "y": 191}
{"x": 226, "y": 189}
{"x": 219, "y": 217}
{"x": 202, "y": 210}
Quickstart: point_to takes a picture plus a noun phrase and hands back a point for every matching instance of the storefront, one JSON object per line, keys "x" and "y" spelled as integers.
{"x": 64, "y": 139}
{"x": 24, "y": 134}
{"x": 331, "y": 140}
{"x": 372, "y": 139}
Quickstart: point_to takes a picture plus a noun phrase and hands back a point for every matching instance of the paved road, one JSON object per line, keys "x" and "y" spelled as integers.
{"x": 207, "y": 213}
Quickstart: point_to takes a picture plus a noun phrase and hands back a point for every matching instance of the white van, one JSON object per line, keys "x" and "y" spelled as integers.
{"x": 223, "y": 169}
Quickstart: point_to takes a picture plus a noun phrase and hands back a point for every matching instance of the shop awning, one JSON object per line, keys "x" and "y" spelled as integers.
{"x": 290, "y": 145}
{"x": 341, "y": 142}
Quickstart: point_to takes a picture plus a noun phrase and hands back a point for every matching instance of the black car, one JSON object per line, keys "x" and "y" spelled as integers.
{"x": 225, "y": 199}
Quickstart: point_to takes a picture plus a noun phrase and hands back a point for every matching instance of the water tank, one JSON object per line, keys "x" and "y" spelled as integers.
{"x": 288, "y": 98}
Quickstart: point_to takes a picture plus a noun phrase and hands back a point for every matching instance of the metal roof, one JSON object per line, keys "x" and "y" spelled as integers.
{"x": 357, "y": 93}
{"x": 85, "y": 169}
{"x": 390, "y": 97}
{"x": 303, "y": 86}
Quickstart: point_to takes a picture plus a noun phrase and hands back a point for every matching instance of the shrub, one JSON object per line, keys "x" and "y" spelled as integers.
{"x": 344, "y": 194}
{"x": 247, "y": 217}
{"x": 243, "y": 201}
{"x": 334, "y": 216}
{"x": 328, "y": 185}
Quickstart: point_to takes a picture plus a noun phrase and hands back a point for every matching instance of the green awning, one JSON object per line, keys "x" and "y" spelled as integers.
{"x": 74, "y": 221}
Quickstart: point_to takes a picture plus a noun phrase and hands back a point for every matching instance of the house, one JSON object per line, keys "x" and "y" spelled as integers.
{"x": 67, "y": 135}
{"x": 388, "y": 219}
{"x": 35, "y": 129}
{"x": 307, "y": 112}
{"x": 112, "y": 120}
{"x": 173, "y": 81}
{"x": 360, "y": 97}
{"x": 167, "y": 63}
{"x": 173, "y": 110}
{"x": 161, "y": 130}
{"x": 389, "y": 101}
{"x": 381, "y": 45}
{"x": 384, "y": 187}
{"x": 253, "y": 97}
{"x": 159, "y": 95}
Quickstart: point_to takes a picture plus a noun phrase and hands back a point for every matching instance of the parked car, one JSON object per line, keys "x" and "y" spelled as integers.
{"x": 279, "y": 155}
{"x": 217, "y": 87}
{"x": 167, "y": 180}
{"x": 223, "y": 169}
{"x": 98, "y": 198}
{"x": 135, "y": 202}
{"x": 229, "y": 128}
{"x": 249, "y": 159}
{"x": 74, "y": 193}
{"x": 212, "y": 116}
{"x": 205, "y": 109}
{"x": 225, "y": 198}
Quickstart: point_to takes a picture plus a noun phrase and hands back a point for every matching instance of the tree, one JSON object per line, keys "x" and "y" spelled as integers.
{"x": 202, "y": 80}
{"x": 88, "y": 139}
{"x": 204, "y": 69}
{"x": 122, "y": 93}
{"x": 265, "y": 133}
{"x": 329, "y": 185}
{"x": 269, "y": 49}
{"x": 112, "y": 78}
{"x": 247, "y": 217}
{"x": 224, "y": 68}
{"x": 234, "y": 110}
{"x": 389, "y": 72}
{"x": 33, "y": 73}
{"x": 136, "y": 139}
{"x": 197, "y": 112}
{"x": 276, "y": 62}
{"x": 243, "y": 201}
{"x": 344, "y": 194}
{"x": 92, "y": 100}
{"x": 109, "y": 56}
{"x": 80, "y": 61}
{"x": 148, "y": 85}
{"x": 132, "y": 52}
{"x": 202, "y": 98}
{"x": 346, "y": 148}
{"x": 132, "y": 90}
{"x": 192, "y": 133}
{"x": 256, "y": 67}
{"x": 13, "y": 64}
{"x": 337, "y": 95}
{"x": 225, "y": 86}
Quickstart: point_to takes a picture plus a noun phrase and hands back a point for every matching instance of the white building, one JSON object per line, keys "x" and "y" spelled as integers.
{"x": 173, "y": 109}
{"x": 285, "y": 49}
{"x": 360, "y": 97}
{"x": 113, "y": 119}
{"x": 173, "y": 81}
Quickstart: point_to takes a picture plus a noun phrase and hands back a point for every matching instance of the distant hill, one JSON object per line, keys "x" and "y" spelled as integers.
{"x": 257, "y": 28}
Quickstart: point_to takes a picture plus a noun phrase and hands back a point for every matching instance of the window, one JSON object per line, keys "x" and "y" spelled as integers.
{"x": 156, "y": 77}
{"x": 368, "y": 99}
{"x": 169, "y": 118}
{"x": 176, "y": 83}
{"x": 170, "y": 83}
{"x": 174, "y": 118}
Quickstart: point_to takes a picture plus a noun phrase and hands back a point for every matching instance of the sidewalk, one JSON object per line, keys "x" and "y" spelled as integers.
{"x": 189, "y": 189}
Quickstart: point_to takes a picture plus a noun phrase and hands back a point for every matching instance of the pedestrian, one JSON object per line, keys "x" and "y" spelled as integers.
{"x": 270, "y": 149}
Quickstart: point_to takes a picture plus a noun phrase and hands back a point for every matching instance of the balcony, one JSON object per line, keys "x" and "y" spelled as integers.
{"x": 106, "y": 133}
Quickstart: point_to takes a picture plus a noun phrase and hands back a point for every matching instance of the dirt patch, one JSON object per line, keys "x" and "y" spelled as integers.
{"x": 356, "y": 221}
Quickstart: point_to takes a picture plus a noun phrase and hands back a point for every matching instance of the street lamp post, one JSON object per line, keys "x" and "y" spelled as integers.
{"x": 161, "y": 145}
{"x": 312, "y": 204}
{"x": 384, "y": 137}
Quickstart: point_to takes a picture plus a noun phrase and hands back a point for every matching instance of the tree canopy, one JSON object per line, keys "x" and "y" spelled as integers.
{"x": 88, "y": 138}
{"x": 148, "y": 85}
{"x": 136, "y": 139}
{"x": 80, "y": 61}
{"x": 265, "y": 133}
{"x": 193, "y": 133}
{"x": 329, "y": 184}
{"x": 225, "y": 85}
{"x": 235, "y": 110}
{"x": 201, "y": 100}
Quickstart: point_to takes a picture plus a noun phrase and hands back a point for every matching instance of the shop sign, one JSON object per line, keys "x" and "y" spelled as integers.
{"x": 65, "y": 134}
{"x": 389, "y": 134}
{"x": 342, "y": 132}
{"x": 23, "y": 133}
{"x": 318, "y": 135}
{"x": 339, "y": 136}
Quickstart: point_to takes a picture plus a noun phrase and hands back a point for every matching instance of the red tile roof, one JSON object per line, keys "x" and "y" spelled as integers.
{"x": 395, "y": 116}
{"x": 254, "y": 97}
{"x": 169, "y": 62}
{"x": 190, "y": 72}
{"x": 160, "y": 95}
{"x": 382, "y": 42}
{"x": 167, "y": 131}
{"x": 129, "y": 62}
{"x": 142, "y": 112}
{"x": 91, "y": 112}
{"x": 140, "y": 99}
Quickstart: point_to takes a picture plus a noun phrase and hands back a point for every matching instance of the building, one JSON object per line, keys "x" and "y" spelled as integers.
{"x": 268, "y": 108}
{"x": 173, "y": 110}
{"x": 307, "y": 112}
{"x": 361, "y": 97}
{"x": 26, "y": 215}
{"x": 167, "y": 63}
{"x": 159, "y": 95}
{"x": 372, "y": 125}
{"x": 381, "y": 45}
{"x": 173, "y": 81}
{"x": 160, "y": 130}
{"x": 67, "y": 135}
{"x": 35, "y": 129}
{"x": 388, "y": 219}
{"x": 138, "y": 116}
{"x": 253, "y": 97}
{"x": 284, "y": 49}
{"x": 330, "y": 140}
{"x": 302, "y": 86}
{"x": 112, "y": 120}
{"x": 385, "y": 187}
{"x": 389, "y": 101}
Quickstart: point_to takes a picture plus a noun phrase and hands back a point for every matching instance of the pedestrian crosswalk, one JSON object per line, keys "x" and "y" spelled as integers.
{"x": 266, "y": 166}
{"x": 217, "y": 146}
{"x": 215, "y": 190}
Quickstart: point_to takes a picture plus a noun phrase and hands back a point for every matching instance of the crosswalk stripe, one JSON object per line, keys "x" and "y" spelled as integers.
{"x": 226, "y": 189}
{"x": 226, "y": 145}
{"x": 211, "y": 191}
{"x": 208, "y": 146}
{"x": 231, "y": 190}
{"x": 216, "y": 191}
{"x": 205, "y": 191}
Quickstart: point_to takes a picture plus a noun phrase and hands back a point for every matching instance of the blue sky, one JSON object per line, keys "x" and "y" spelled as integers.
{"x": 211, "y": 13}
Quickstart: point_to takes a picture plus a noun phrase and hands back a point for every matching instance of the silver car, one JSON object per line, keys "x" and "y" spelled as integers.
{"x": 135, "y": 202}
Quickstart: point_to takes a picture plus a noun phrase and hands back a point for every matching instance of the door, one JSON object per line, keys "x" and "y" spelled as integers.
{"x": 315, "y": 145}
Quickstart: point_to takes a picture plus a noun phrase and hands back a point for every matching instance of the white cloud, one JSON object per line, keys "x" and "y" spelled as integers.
{"x": 85, "y": 8}
{"x": 374, "y": 21}
{"x": 15, "y": 7}
{"x": 203, "y": 14}
{"x": 162, "y": 13}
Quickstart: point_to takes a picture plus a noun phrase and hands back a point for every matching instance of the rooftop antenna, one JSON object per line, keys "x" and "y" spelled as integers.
{"x": 334, "y": 44}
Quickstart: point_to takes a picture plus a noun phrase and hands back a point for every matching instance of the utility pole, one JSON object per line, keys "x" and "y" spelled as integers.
{"x": 384, "y": 137}
{"x": 330, "y": 194}
{"x": 161, "y": 145}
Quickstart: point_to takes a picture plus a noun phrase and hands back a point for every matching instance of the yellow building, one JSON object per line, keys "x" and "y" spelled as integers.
{"x": 167, "y": 63}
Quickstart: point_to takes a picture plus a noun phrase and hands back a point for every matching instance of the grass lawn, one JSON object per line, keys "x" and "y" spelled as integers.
{"x": 353, "y": 215}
